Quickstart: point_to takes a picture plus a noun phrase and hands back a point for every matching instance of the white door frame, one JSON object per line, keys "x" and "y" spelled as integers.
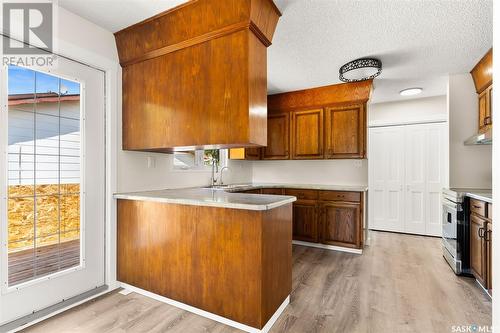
{"x": 112, "y": 71}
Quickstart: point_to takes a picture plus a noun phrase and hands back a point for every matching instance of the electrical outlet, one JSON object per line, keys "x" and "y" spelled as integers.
{"x": 151, "y": 162}
{"x": 358, "y": 164}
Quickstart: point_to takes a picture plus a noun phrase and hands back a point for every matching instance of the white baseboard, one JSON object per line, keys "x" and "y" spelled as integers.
{"x": 210, "y": 315}
{"x": 328, "y": 247}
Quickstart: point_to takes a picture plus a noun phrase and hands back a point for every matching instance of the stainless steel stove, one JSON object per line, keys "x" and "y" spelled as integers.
{"x": 456, "y": 228}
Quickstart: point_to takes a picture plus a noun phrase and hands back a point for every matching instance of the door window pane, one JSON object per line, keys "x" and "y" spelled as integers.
{"x": 43, "y": 174}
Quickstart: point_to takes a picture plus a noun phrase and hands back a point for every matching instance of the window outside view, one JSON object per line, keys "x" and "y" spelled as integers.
{"x": 43, "y": 174}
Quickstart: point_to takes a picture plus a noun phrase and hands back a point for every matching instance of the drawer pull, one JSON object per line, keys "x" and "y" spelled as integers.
{"x": 476, "y": 207}
{"x": 480, "y": 232}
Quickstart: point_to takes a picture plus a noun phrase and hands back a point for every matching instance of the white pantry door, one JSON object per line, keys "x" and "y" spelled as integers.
{"x": 386, "y": 178}
{"x": 406, "y": 177}
{"x": 52, "y": 176}
{"x": 415, "y": 166}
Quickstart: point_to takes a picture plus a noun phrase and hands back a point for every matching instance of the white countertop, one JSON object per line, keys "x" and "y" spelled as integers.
{"x": 483, "y": 196}
{"x": 210, "y": 198}
{"x": 243, "y": 187}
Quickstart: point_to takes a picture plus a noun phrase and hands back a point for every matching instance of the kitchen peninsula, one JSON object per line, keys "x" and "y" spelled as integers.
{"x": 226, "y": 254}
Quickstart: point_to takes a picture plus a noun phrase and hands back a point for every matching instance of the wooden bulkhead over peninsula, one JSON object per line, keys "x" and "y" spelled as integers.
{"x": 195, "y": 76}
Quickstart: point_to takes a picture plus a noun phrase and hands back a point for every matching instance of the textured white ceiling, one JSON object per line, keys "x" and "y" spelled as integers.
{"x": 419, "y": 42}
{"x": 114, "y": 15}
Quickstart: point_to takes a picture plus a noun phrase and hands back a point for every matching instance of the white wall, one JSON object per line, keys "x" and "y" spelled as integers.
{"x": 408, "y": 111}
{"x": 333, "y": 172}
{"x": 470, "y": 166}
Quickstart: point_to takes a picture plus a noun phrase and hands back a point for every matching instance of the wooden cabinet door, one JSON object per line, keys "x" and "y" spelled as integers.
{"x": 345, "y": 132}
{"x": 307, "y": 134}
{"x": 483, "y": 106}
{"x": 252, "y": 153}
{"x": 278, "y": 137}
{"x": 305, "y": 221}
{"x": 488, "y": 119}
{"x": 340, "y": 224}
{"x": 488, "y": 235}
{"x": 244, "y": 153}
{"x": 477, "y": 248}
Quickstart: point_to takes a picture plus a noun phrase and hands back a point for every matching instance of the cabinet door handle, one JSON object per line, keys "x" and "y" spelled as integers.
{"x": 476, "y": 206}
{"x": 480, "y": 232}
{"x": 487, "y": 121}
{"x": 485, "y": 236}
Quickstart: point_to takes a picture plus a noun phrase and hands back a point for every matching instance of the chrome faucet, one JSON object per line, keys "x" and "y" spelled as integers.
{"x": 220, "y": 176}
{"x": 215, "y": 167}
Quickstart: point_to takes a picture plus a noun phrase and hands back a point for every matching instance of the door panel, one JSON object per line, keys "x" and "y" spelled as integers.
{"x": 307, "y": 134}
{"x": 305, "y": 221}
{"x": 415, "y": 166}
{"x": 406, "y": 176}
{"x": 386, "y": 177}
{"x": 345, "y": 132}
{"x": 67, "y": 206}
{"x": 477, "y": 248}
{"x": 278, "y": 137}
{"x": 252, "y": 153}
{"x": 435, "y": 173}
{"x": 340, "y": 224}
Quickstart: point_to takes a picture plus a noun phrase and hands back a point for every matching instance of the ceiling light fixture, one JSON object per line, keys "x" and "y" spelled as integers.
{"x": 360, "y": 70}
{"x": 410, "y": 91}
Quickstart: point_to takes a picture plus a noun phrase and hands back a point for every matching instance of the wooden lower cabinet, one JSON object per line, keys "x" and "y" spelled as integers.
{"x": 480, "y": 243}
{"x": 489, "y": 280}
{"x": 340, "y": 224}
{"x": 477, "y": 248}
{"x": 328, "y": 217}
{"x": 305, "y": 220}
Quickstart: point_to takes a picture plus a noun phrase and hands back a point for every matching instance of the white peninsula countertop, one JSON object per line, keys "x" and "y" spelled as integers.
{"x": 210, "y": 197}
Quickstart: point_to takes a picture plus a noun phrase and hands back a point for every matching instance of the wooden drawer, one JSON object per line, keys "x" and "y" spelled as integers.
{"x": 490, "y": 211}
{"x": 478, "y": 207}
{"x": 275, "y": 191}
{"x": 340, "y": 196}
{"x": 302, "y": 194}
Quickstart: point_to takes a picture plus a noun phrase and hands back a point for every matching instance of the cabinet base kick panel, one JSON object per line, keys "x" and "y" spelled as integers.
{"x": 210, "y": 315}
{"x": 328, "y": 247}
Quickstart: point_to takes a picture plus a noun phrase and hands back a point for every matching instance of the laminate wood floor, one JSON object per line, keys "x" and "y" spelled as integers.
{"x": 400, "y": 284}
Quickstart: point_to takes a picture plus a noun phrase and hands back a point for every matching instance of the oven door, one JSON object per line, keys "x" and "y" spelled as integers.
{"x": 449, "y": 221}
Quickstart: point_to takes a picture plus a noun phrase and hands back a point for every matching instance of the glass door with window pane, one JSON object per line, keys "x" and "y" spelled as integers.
{"x": 52, "y": 213}
{"x": 43, "y": 174}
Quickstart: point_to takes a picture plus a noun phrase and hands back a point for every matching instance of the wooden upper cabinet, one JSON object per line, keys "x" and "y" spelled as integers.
{"x": 278, "y": 137}
{"x": 345, "y": 132}
{"x": 307, "y": 134}
{"x": 482, "y": 74}
{"x": 179, "y": 87}
{"x": 325, "y": 122}
{"x": 252, "y": 153}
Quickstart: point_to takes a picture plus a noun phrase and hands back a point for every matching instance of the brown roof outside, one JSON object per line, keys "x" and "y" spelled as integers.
{"x": 18, "y": 99}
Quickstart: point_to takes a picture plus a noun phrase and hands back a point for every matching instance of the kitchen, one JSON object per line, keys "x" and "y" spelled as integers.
{"x": 256, "y": 169}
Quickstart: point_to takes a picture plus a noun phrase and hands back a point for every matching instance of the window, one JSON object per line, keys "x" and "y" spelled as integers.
{"x": 44, "y": 147}
{"x": 199, "y": 159}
